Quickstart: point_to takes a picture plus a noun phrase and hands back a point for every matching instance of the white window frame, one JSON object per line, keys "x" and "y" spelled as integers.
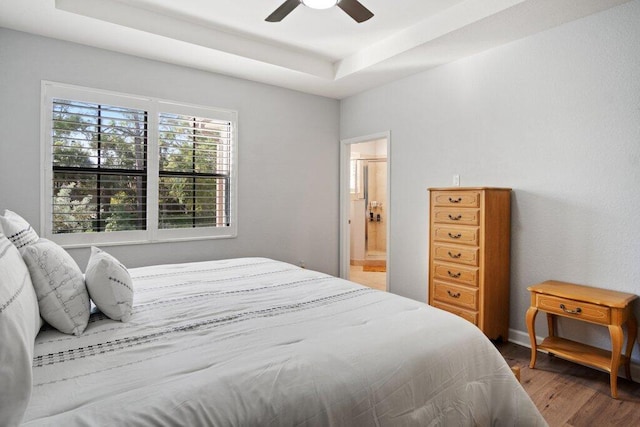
{"x": 153, "y": 106}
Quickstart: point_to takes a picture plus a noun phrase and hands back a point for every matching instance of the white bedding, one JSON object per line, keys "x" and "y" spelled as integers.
{"x": 257, "y": 342}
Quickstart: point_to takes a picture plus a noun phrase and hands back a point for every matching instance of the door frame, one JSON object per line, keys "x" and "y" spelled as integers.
{"x": 345, "y": 199}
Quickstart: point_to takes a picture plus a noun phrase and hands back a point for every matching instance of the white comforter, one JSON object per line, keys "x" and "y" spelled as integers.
{"x": 256, "y": 342}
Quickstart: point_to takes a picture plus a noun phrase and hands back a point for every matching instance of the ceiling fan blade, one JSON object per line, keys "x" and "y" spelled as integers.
{"x": 355, "y": 9}
{"x": 284, "y": 9}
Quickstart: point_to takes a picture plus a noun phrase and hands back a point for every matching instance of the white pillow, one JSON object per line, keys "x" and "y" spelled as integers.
{"x": 62, "y": 294}
{"x": 18, "y": 230}
{"x": 19, "y": 325}
{"x": 109, "y": 285}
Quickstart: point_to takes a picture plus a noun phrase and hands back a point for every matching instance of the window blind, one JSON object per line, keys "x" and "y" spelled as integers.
{"x": 194, "y": 171}
{"x": 99, "y": 157}
{"x": 122, "y": 168}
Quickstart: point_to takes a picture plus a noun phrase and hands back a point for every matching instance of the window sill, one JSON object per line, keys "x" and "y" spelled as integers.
{"x": 132, "y": 242}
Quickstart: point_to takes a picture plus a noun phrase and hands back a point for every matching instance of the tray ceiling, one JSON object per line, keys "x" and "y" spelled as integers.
{"x": 322, "y": 52}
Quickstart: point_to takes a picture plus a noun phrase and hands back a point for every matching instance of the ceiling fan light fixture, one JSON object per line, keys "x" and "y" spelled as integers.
{"x": 353, "y": 8}
{"x": 319, "y": 4}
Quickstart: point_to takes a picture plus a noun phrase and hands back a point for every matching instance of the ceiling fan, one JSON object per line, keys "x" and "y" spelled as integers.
{"x": 353, "y": 8}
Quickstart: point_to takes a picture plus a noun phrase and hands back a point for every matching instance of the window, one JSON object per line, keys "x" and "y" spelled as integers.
{"x": 356, "y": 178}
{"x": 125, "y": 169}
{"x": 99, "y": 156}
{"x": 195, "y": 165}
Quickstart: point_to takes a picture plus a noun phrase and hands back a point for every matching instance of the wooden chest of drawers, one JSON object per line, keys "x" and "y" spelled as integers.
{"x": 469, "y": 255}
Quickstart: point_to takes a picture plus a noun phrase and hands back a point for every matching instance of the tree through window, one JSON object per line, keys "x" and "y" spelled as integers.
{"x": 99, "y": 167}
{"x": 122, "y": 165}
{"x": 195, "y": 167}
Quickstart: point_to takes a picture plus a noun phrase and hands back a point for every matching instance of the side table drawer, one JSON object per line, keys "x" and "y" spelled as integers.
{"x": 572, "y": 308}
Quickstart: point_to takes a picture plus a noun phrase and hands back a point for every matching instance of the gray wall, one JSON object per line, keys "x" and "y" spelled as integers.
{"x": 288, "y": 149}
{"x": 555, "y": 116}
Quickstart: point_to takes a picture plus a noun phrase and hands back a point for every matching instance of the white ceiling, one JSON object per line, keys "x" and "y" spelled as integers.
{"x": 323, "y": 52}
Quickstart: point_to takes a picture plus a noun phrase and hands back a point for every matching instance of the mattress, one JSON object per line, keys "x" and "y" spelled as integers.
{"x": 258, "y": 342}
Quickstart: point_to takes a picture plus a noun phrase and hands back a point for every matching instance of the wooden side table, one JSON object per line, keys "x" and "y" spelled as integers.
{"x": 600, "y": 306}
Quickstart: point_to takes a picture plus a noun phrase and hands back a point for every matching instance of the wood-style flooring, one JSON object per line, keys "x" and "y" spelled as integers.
{"x": 569, "y": 394}
{"x": 372, "y": 279}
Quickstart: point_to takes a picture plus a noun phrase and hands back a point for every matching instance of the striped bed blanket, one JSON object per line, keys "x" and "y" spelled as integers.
{"x": 258, "y": 342}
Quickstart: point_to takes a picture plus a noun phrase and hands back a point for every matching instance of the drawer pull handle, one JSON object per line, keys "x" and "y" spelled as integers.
{"x": 453, "y": 255}
{"x": 455, "y": 236}
{"x": 458, "y": 200}
{"x": 454, "y": 275}
{"x": 566, "y": 310}
{"x": 455, "y": 218}
{"x": 453, "y": 295}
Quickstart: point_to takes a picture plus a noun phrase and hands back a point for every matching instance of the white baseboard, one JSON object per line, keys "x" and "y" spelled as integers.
{"x": 522, "y": 338}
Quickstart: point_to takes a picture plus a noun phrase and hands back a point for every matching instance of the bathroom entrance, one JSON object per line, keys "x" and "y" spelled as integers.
{"x": 368, "y": 212}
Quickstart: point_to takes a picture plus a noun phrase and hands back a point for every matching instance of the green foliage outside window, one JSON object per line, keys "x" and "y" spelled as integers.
{"x": 100, "y": 169}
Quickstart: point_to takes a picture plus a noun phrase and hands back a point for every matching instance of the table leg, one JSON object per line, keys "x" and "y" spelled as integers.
{"x": 531, "y": 327}
{"x": 551, "y": 324}
{"x": 632, "y": 331}
{"x": 617, "y": 338}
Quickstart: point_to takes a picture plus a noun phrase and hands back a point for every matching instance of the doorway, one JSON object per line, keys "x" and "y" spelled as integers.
{"x": 365, "y": 167}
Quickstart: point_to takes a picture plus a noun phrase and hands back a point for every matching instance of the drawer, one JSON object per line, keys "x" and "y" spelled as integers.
{"x": 451, "y": 234}
{"x": 576, "y": 309}
{"x": 456, "y": 273}
{"x": 466, "y": 199}
{"x": 456, "y": 216}
{"x": 455, "y": 295}
{"x": 471, "y": 316}
{"x": 456, "y": 254}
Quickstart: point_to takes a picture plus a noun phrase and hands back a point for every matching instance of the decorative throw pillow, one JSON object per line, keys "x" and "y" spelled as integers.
{"x": 18, "y": 230}
{"x": 19, "y": 325}
{"x": 62, "y": 294}
{"x": 109, "y": 285}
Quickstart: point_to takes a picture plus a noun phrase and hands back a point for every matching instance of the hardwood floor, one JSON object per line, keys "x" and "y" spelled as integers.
{"x": 568, "y": 394}
{"x": 373, "y": 280}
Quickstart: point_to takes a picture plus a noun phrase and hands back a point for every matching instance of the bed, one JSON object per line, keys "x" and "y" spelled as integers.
{"x": 258, "y": 342}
